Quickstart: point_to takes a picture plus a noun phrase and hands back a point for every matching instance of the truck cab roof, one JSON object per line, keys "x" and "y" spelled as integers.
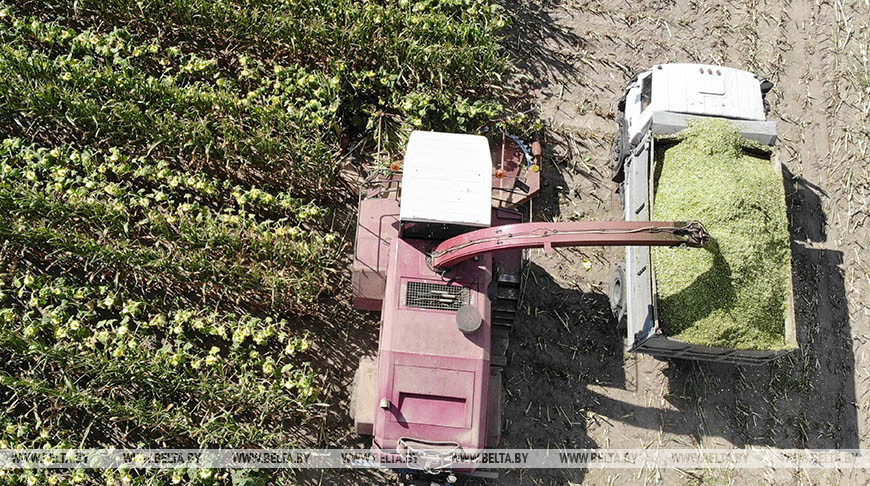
{"x": 704, "y": 89}
{"x": 677, "y": 93}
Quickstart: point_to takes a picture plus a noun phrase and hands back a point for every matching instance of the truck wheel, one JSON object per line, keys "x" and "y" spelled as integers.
{"x": 621, "y": 191}
{"x": 617, "y": 297}
{"x": 616, "y": 165}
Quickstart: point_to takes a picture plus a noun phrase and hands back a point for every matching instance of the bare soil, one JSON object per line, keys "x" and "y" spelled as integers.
{"x": 569, "y": 382}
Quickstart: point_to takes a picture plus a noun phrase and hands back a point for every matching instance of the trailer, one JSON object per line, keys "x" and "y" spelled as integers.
{"x": 663, "y": 101}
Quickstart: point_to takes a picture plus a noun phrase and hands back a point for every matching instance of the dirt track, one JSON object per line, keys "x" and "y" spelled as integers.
{"x": 569, "y": 383}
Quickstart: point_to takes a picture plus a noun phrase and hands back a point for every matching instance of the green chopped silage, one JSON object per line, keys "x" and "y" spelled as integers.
{"x": 734, "y": 292}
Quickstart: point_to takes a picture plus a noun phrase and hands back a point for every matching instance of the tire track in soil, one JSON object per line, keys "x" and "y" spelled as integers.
{"x": 827, "y": 406}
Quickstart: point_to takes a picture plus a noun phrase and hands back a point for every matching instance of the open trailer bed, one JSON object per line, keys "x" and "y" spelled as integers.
{"x": 636, "y": 277}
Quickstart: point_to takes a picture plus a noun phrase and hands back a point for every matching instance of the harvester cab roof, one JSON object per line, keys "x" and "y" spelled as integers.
{"x": 446, "y": 185}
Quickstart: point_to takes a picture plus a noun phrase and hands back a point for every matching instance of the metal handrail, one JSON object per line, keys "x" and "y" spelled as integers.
{"x": 431, "y": 461}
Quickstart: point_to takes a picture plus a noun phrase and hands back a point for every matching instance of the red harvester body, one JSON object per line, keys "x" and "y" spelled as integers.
{"x": 445, "y": 274}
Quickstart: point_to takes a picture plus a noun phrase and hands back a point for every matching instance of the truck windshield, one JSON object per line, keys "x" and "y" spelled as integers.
{"x": 645, "y": 92}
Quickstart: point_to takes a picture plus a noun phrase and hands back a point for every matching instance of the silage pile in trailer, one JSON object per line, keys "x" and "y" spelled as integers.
{"x": 734, "y": 292}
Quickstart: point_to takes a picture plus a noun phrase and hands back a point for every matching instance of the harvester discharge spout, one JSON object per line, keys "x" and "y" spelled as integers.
{"x": 551, "y": 235}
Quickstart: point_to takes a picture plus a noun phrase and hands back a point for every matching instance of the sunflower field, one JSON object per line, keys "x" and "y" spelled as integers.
{"x": 169, "y": 185}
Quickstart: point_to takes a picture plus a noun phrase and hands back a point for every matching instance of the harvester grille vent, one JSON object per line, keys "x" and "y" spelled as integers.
{"x": 436, "y": 296}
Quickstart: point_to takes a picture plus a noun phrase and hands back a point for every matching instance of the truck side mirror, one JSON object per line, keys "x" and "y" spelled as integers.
{"x": 765, "y": 87}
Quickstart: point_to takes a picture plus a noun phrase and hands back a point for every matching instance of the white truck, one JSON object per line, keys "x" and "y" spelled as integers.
{"x": 663, "y": 99}
{"x": 660, "y": 101}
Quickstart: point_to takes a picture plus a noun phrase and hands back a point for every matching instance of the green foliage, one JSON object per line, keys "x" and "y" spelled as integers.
{"x": 167, "y": 171}
{"x": 733, "y": 293}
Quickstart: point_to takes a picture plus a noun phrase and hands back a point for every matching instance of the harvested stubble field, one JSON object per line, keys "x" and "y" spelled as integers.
{"x": 145, "y": 306}
{"x": 577, "y": 56}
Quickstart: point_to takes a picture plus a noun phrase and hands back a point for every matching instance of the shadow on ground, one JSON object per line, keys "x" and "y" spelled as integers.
{"x": 564, "y": 341}
{"x": 537, "y": 44}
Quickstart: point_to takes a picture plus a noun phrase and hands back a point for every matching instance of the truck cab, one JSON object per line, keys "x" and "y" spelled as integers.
{"x": 672, "y": 94}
